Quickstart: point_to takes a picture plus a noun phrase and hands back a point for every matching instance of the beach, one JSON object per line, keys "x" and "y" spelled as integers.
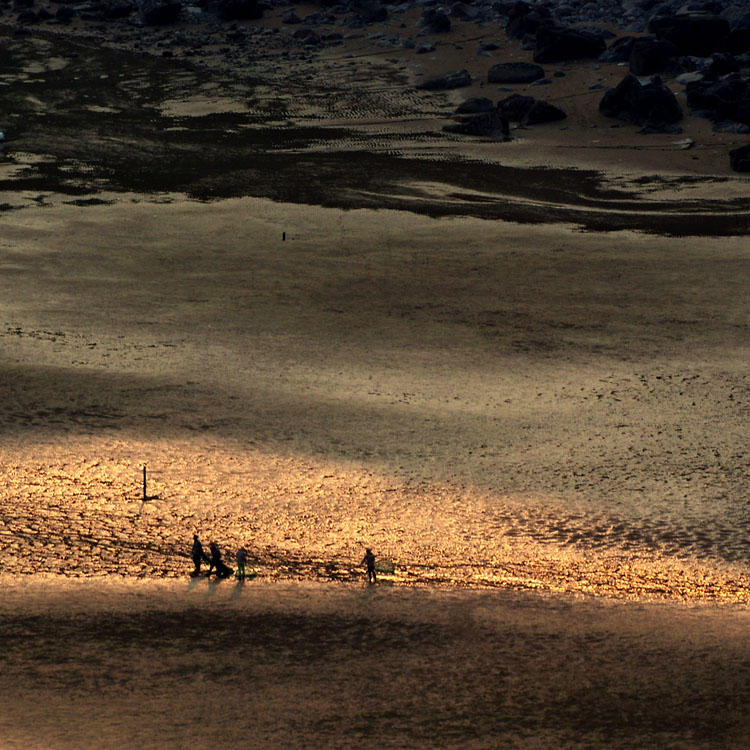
{"x": 262, "y": 276}
{"x": 156, "y": 664}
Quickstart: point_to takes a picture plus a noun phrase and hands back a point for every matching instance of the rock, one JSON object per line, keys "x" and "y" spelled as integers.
{"x": 115, "y": 10}
{"x": 515, "y": 72}
{"x": 651, "y": 103}
{"x": 650, "y": 56}
{"x": 455, "y": 80}
{"x": 739, "y": 41}
{"x": 731, "y": 127}
{"x": 290, "y": 18}
{"x": 523, "y": 19}
{"x": 694, "y": 34}
{"x": 515, "y": 106}
{"x": 685, "y": 78}
{"x": 64, "y": 14}
{"x": 306, "y": 36}
{"x": 619, "y": 50}
{"x": 685, "y": 144}
{"x": 739, "y": 158}
{"x": 722, "y": 64}
{"x": 660, "y": 128}
{"x": 475, "y": 105}
{"x": 423, "y": 49}
{"x": 160, "y": 12}
{"x": 370, "y": 11}
{"x": 27, "y": 18}
{"x": 463, "y": 12}
{"x": 559, "y": 43}
{"x": 542, "y": 111}
{"x": 491, "y": 123}
{"x": 726, "y": 99}
{"x": 435, "y": 21}
{"x": 239, "y": 10}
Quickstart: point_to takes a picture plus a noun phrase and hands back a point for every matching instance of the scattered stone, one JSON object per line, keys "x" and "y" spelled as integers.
{"x": 541, "y": 82}
{"x": 515, "y": 72}
{"x": 455, "y": 80}
{"x": 423, "y": 49}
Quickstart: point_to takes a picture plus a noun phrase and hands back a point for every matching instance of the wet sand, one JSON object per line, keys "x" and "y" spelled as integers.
{"x": 172, "y": 665}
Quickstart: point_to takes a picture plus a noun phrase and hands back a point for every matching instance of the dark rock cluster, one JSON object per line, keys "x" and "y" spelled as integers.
{"x": 703, "y": 45}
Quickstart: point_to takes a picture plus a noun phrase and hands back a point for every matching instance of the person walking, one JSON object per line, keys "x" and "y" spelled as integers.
{"x": 198, "y": 555}
{"x": 369, "y": 561}
{"x": 241, "y": 560}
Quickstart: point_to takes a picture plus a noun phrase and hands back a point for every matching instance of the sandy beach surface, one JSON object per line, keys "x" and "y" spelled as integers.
{"x": 516, "y": 370}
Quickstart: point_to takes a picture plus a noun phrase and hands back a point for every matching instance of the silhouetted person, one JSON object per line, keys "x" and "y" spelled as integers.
{"x": 198, "y": 555}
{"x": 369, "y": 561}
{"x": 222, "y": 571}
{"x": 241, "y": 560}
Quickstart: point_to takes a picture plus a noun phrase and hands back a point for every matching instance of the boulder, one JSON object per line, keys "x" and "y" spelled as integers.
{"x": 648, "y": 104}
{"x": 694, "y": 34}
{"x": 739, "y": 158}
{"x": 515, "y": 72}
{"x": 160, "y": 12}
{"x": 491, "y": 124}
{"x": 560, "y": 43}
{"x": 455, "y": 80}
{"x": 515, "y": 106}
{"x": 523, "y": 19}
{"x": 541, "y": 112}
{"x": 651, "y": 56}
{"x": 475, "y": 105}
{"x": 723, "y": 98}
{"x": 435, "y": 21}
